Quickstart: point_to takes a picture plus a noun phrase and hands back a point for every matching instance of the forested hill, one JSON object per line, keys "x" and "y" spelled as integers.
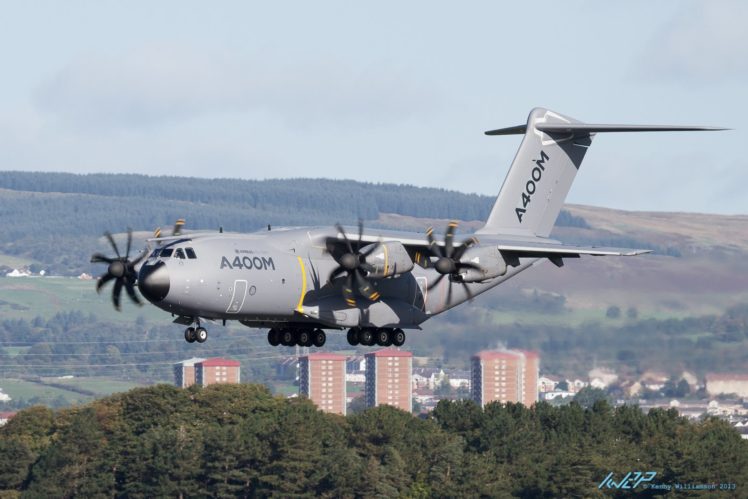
{"x": 53, "y": 218}
{"x": 242, "y": 204}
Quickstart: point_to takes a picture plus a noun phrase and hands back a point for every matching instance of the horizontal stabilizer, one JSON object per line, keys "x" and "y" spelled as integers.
{"x": 588, "y": 128}
{"x": 591, "y": 128}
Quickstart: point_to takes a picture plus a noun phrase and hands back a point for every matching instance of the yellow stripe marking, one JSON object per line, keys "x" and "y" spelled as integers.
{"x": 303, "y": 285}
{"x": 386, "y": 259}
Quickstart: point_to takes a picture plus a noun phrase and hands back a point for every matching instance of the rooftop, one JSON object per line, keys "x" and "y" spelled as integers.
{"x": 390, "y": 352}
{"x": 217, "y": 361}
{"x": 324, "y": 356}
{"x": 504, "y": 354}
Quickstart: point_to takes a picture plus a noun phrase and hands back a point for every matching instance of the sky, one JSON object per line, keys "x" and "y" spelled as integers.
{"x": 383, "y": 92}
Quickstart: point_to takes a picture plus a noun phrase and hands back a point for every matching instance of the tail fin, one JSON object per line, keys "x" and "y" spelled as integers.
{"x": 544, "y": 168}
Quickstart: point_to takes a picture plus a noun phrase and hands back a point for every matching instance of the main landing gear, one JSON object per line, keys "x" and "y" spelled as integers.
{"x": 300, "y": 337}
{"x": 369, "y": 336}
{"x": 192, "y": 334}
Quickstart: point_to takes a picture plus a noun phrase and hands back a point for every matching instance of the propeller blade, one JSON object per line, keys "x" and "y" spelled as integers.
{"x": 111, "y": 241}
{"x": 103, "y": 280}
{"x": 347, "y": 242}
{"x": 157, "y": 232}
{"x": 449, "y": 294}
{"x": 449, "y": 239}
{"x": 367, "y": 267}
{"x": 348, "y": 296}
{"x": 139, "y": 259}
{"x": 371, "y": 249}
{"x": 99, "y": 258}
{"x": 336, "y": 273}
{"x": 433, "y": 247}
{"x": 129, "y": 243}
{"x": 467, "y": 290}
{"x": 131, "y": 292}
{"x": 466, "y": 244}
{"x": 177, "y": 230}
{"x": 116, "y": 292}
{"x": 436, "y": 282}
{"x": 360, "y": 233}
{"x": 365, "y": 288}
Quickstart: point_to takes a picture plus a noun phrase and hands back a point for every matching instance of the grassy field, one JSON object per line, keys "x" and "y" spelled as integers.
{"x": 19, "y": 389}
{"x": 14, "y": 261}
{"x": 23, "y": 390}
{"x": 27, "y": 297}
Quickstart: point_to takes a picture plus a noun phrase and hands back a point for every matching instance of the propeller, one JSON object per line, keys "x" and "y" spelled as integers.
{"x": 352, "y": 262}
{"x": 120, "y": 269}
{"x": 448, "y": 261}
{"x": 175, "y": 231}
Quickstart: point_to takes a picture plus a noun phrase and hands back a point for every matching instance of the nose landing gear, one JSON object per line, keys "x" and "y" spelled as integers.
{"x": 193, "y": 334}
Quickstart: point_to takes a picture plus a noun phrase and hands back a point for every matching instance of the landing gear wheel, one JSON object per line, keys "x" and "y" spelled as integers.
{"x": 383, "y": 338}
{"x": 274, "y": 337}
{"x": 305, "y": 338}
{"x": 366, "y": 337}
{"x": 398, "y": 337}
{"x": 319, "y": 338}
{"x": 288, "y": 338}
{"x": 201, "y": 334}
{"x": 189, "y": 335}
{"x": 352, "y": 336}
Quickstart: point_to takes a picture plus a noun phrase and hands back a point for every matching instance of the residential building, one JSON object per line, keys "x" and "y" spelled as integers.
{"x": 322, "y": 380}
{"x": 184, "y": 372}
{"x": 6, "y": 416}
{"x": 217, "y": 370}
{"x": 505, "y": 376}
{"x": 725, "y": 384}
{"x": 388, "y": 378}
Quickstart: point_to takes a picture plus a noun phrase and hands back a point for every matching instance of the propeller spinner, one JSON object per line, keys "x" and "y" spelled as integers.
{"x": 120, "y": 269}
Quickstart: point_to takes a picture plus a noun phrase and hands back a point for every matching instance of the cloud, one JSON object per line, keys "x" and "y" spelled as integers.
{"x": 157, "y": 85}
{"x": 703, "y": 42}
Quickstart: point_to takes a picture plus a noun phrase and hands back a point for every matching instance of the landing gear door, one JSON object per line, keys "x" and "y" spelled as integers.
{"x": 238, "y": 296}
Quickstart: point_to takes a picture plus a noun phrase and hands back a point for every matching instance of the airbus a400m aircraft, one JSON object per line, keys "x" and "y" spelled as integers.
{"x": 373, "y": 283}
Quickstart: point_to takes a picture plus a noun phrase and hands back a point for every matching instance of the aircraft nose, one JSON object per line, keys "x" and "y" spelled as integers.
{"x": 153, "y": 282}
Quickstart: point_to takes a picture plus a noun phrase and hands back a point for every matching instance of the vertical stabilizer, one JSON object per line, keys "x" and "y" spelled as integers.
{"x": 540, "y": 177}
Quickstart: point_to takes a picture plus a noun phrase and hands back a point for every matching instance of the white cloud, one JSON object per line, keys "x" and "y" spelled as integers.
{"x": 704, "y": 42}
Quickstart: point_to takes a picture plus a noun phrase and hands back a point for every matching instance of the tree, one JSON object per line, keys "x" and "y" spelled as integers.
{"x": 613, "y": 312}
{"x": 588, "y": 396}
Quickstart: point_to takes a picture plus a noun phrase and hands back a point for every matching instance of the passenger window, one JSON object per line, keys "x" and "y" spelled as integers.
{"x": 179, "y": 253}
{"x": 166, "y": 253}
{"x": 190, "y": 253}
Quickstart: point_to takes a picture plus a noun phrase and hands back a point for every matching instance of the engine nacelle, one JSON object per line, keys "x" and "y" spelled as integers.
{"x": 489, "y": 259}
{"x": 389, "y": 259}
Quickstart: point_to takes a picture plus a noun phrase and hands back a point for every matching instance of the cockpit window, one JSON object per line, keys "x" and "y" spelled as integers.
{"x": 155, "y": 253}
{"x": 190, "y": 253}
{"x": 166, "y": 253}
{"x": 179, "y": 254}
